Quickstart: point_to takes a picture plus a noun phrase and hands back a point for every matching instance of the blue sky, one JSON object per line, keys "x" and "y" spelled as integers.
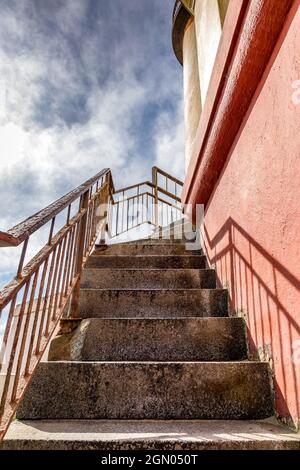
{"x": 84, "y": 84}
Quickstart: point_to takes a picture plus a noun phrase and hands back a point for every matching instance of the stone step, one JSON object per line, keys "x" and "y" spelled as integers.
{"x": 148, "y": 390}
{"x": 182, "y": 234}
{"x": 97, "y": 303}
{"x": 150, "y": 261}
{"x": 112, "y": 435}
{"x": 148, "y": 278}
{"x": 146, "y": 249}
{"x": 145, "y": 241}
{"x": 182, "y": 223}
{"x": 176, "y": 339}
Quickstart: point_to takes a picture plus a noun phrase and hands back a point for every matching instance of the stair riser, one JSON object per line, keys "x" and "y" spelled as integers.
{"x": 213, "y": 339}
{"x": 178, "y": 225}
{"x": 153, "y": 303}
{"x": 148, "y": 241}
{"x": 179, "y": 235}
{"x": 148, "y": 279}
{"x": 147, "y": 262}
{"x": 154, "y": 249}
{"x": 148, "y": 391}
{"x": 148, "y": 443}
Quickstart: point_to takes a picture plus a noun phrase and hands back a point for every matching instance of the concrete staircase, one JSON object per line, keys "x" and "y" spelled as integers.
{"x": 154, "y": 355}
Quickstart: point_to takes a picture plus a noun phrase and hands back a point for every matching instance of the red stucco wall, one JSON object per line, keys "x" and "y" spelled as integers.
{"x": 252, "y": 221}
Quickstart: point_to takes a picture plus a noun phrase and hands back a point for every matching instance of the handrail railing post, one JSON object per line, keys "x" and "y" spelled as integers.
{"x": 106, "y": 200}
{"x": 154, "y": 181}
{"x": 79, "y": 255}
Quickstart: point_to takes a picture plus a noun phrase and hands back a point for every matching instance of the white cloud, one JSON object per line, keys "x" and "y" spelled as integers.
{"x": 73, "y": 99}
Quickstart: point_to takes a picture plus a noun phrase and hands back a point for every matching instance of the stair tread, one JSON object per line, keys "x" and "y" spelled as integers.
{"x": 142, "y": 255}
{"x": 155, "y": 290}
{"x": 150, "y": 434}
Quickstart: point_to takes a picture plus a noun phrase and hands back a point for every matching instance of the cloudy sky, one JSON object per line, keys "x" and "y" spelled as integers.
{"x": 84, "y": 84}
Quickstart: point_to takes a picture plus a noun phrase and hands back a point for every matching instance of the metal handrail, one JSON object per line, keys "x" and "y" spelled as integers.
{"x": 158, "y": 210}
{"x": 17, "y": 234}
{"x": 47, "y": 287}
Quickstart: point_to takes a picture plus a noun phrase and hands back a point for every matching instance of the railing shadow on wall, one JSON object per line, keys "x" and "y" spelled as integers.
{"x": 238, "y": 271}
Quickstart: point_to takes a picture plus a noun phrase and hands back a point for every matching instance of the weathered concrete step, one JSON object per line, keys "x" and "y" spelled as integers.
{"x": 148, "y": 278}
{"x": 177, "y": 339}
{"x": 145, "y": 241}
{"x": 148, "y": 390}
{"x": 149, "y": 435}
{"x": 150, "y": 261}
{"x": 179, "y": 224}
{"x": 96, "y": 303}
{"x": 146, "y": 249}
{"x": 182, "y": 234}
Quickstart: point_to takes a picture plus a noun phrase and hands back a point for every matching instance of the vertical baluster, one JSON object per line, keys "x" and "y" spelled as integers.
{"x": 68, "y": 214}
{"x": 152, "y": 210}
{"x": 44, "y": 310}
{"x": 7, "y": 328}
{"x": 154, "y": 181}
{"x": 53, "y": 288}
{"x": 74, "y": 253}
{"x": 66, "y": 264}
{"x": 70, "y": 261}
{"x": 58, "y": 291}
{"x": 51, "y": 231}
{"x": 117, "y": 218}
{"x": 79, "y": 256}
{"x": 24, "y": 337}
{"x": 22, "y": 258}
{"x": 13, "y": 349}
{"x": 36, "y": 316}
{"x": 92, "y": 219}
{"x": 89, "y": 228}
{"x": 127, "y": 213}
{"x": 86, "y": 234}
{"x": 123, "y": 204}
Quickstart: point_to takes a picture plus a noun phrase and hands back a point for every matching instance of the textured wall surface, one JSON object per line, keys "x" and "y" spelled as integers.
{"x": 252, "y": 221}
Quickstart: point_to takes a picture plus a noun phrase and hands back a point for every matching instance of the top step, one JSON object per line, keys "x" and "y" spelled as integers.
{"x": 145, "y": 249}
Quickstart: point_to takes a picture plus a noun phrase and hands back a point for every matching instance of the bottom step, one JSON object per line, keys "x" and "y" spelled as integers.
{"x": 148, "y": 390}
{"x": 149, "y": 435}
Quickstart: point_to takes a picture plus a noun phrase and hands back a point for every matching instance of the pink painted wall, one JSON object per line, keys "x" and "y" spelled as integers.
{"x": 252, "y": 222}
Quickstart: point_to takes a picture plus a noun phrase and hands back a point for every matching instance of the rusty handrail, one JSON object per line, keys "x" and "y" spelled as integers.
{"x": 47, "y": 287}
{"x": 147, "y": 207}
{"x": 17, "y": 234}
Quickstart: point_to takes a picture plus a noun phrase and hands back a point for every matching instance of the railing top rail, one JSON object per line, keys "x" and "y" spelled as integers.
{"x": 167, "y": 175}
{"x": 127, "y": 188}
{"x": 160, "y": 189}
{"x": 16, "y": 235}
{"x": 149, "y": 183}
